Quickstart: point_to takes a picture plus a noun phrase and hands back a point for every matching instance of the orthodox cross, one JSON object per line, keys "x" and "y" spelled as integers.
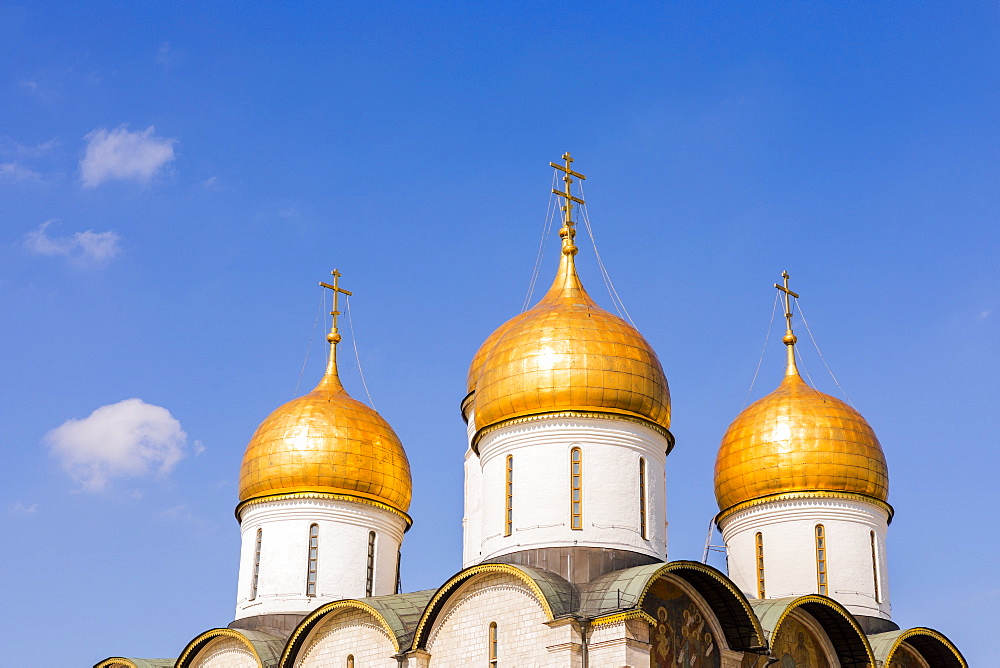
{"x": 568, "y": 179}
{"x": 337, "y": 291}
{"x": 788, "y": 303}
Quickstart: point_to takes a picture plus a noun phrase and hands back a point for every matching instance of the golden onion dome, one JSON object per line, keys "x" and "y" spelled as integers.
{"x": 799, "y": 441}
{"x": 567, "y": 354}
{"x": 328, "y": 443}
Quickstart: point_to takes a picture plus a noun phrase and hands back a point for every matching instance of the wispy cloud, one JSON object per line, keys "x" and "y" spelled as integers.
{"x": 163, "y": 56}
{"x": 985, "y": 313}
{"x": 124, "y": 440}
{"x": 15, "y": 149}
{"x": 19, "y": 508}
{"x": 122, "y": 154}
{"x": 84, "y": 248}
{"x": 211, "y": 183}
{"x": 17, "y": 172}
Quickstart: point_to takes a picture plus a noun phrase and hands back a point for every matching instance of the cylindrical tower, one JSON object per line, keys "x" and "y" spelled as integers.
{"x": 324, "y": 490}
{"x": 568, "y": 411}
{"x": 802, "y": 487}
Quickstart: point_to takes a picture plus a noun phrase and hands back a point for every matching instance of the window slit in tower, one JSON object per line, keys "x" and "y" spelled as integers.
{"x": 350, "y": 661}
{"x": 878, "y": 595}
{"x": 576, "y": 488}
{"x": 821, "y": 575}
{"x": 493, "y": 645}
{"x": 313, "y": 560}
{"x": 256, "y": 565}
{"x": 508, "y": 526}
{"x": 760, "y": 565}
{"x": 370, "y": 575}
{"x": 642, "y": 498}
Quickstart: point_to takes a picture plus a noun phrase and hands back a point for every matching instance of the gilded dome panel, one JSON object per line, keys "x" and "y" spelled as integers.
{"x": 567, "y": 353}
{"x": 327, "y": 442}
{"x": 799, "y": 439}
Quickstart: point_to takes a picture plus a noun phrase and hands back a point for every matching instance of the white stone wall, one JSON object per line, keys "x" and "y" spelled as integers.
{"x": 343, "y": 553}
{"x": 623, "y": 644}
{"x": 460, "y": 635}
{"x": 541, "y": 449}
{"x": 351, "y": 632}
{"x": 225, "y": 652}
{"x": 471, "y": 523}
{"x": 789, "y": 531}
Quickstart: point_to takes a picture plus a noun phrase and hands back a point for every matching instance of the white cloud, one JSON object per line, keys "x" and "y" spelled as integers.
{"x": 982, "y": 315}
{"x": 211, "y": 183}
{"x": 85, "y": 248}
{"x": 163, "y": 56}
{"x": 18, "y": 508}
{"x": 12, "y": 170}
{"x": 121, "y": 154}
{"x": 127, "y": 439}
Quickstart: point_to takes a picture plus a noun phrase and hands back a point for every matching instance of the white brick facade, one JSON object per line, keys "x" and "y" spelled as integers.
{"x": 461, "y": 635}
{"x": 348, "y": 633}
{"x": 225, "y": 652}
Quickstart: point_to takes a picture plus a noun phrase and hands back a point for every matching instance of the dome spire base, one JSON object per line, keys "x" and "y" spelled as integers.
{"x": 789, "y": 338}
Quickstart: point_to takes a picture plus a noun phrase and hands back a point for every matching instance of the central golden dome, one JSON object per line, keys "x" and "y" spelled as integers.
{"x": 566, "y": 354}
{"x": 326, "y": 442}
{"x": 798, "y": 440}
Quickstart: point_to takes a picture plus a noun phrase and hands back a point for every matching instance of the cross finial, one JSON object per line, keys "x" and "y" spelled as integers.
{"x": 567, "y": 233}
{"x": 789, "y": 338}
{"x": 334, "y": 336}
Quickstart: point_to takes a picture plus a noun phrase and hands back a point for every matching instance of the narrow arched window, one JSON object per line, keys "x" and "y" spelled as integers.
{"x": 576, "y": 488}
{"x": 494, "y": 646}
{"x": 370, "y": 575}
{"x": 822, "y": 581}
{"x": 508, "y": 526}
{"x": 350, "y": 661}
{"x": 313, "y": 560}
{"x": 399, "y": 577}
{"x": 642, "y": 498}
{"x": 256, "y": 565}
{"x": 760, "y": 565}
{"x": 878, "y": 594}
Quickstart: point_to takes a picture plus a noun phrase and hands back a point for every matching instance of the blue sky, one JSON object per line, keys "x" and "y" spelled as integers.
{"x": 175, "y": 180}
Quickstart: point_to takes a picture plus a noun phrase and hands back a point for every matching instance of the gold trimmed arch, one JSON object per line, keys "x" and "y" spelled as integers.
{"x": 933, "y": 646}
{"x": 555, "y": 595}
{"x": 255, "y": 641}
{"x": 301, "y": 632}
{"x": 623, "y": 592}
{"x": 849, "y": 641}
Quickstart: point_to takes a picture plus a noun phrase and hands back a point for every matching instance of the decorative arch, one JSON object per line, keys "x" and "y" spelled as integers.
{"x": 622, "y": 593}
{"x": 849, "y": 642}
{"x": 125, "y": 662}
{"x": 557, "y": 597}
{"x": 397, "y": 614}
{"x": 934, "y": 647}
{"x": 264, "y": 647}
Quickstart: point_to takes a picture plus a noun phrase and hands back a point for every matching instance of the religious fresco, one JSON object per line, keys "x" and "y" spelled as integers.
{"x": 681, "y": 637}
{"x": 797, "y": 647}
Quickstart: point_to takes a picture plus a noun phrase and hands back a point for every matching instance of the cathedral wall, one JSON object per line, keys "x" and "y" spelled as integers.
{"x": 461, "y": 634}
{"x": 348, "y": 633}
{"x": 472, "y": 522}
{"x": 342, "y": 564}
{"x": 225, "y": 653}
{"x": 542, "y": 515}
{"x": 788, "y": 529}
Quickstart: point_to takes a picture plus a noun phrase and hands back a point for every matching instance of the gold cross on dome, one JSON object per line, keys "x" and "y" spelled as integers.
{"x": 788, "y": 302}
{"x": 568, "y": 179}
{"x": 337, "y": 291}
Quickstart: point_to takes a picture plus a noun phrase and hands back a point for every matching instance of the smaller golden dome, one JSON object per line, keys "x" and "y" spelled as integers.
{"x": 567, "y": 354}
{"x": 798, "y": 440}
{"x": 327, "y": 442}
